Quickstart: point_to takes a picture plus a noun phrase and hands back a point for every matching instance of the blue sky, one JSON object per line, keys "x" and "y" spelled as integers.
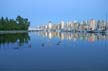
{"x": 41, "y": 11}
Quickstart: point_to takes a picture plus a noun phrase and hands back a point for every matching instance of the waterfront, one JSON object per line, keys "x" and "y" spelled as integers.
{"x": 60, "y": 51}
{"x": 89, "y": 26}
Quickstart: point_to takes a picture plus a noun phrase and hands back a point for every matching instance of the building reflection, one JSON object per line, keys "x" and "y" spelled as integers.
{"x": 75, "y": 36}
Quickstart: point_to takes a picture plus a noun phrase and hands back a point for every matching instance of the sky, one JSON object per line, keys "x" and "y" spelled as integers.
{"x": 39, "y": 12}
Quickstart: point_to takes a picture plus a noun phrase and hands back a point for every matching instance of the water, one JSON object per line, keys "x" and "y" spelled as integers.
{"x": 53, "y": 51}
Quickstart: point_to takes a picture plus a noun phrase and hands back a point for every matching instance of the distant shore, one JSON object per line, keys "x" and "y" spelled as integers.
{"x": 26, "y": 31}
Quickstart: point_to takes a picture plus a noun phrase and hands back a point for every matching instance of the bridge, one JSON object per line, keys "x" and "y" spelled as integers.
{"x": 34, "y": 29}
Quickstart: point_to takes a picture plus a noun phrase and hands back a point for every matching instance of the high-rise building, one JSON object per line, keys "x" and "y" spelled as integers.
{"x": 92, "y": 24}
{"x": 62, "y": 24}
{"x": 49, "y": 25}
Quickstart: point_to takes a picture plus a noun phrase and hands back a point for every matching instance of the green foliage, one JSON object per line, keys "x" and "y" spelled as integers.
{"x": 11, "y": 24}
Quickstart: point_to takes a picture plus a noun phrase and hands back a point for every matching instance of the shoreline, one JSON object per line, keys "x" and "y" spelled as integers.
{"x": 26, "y": 31}
{"x": 14, "y": 31}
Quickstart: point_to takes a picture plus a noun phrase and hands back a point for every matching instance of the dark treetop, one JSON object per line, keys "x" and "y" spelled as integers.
{"x": 14, "y": 24}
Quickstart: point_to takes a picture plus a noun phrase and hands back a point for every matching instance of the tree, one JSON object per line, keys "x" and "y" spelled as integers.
{"x": 11, "y": 24}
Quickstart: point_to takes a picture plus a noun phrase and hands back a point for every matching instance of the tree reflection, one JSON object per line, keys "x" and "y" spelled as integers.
{"x": 16, "y": 38}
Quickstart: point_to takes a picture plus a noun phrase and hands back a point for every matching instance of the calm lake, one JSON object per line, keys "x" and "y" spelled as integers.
{"x": 54, "y": 51}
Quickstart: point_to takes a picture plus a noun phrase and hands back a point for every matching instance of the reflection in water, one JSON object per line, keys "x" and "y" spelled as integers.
{"x": 75, "y": 36}
{"x": 43, "y": 44}
{"x": 58, "y": 43}
{"x": 47, "y": 53}
{"x": 15, "y": 40}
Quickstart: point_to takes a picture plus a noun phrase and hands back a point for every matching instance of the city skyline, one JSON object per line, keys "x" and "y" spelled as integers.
{"x": 91, "y": 25}
{"x": 39, "y": 12}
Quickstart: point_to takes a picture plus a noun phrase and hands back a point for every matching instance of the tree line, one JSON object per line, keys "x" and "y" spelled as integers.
{"x": 19, "y": 23}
